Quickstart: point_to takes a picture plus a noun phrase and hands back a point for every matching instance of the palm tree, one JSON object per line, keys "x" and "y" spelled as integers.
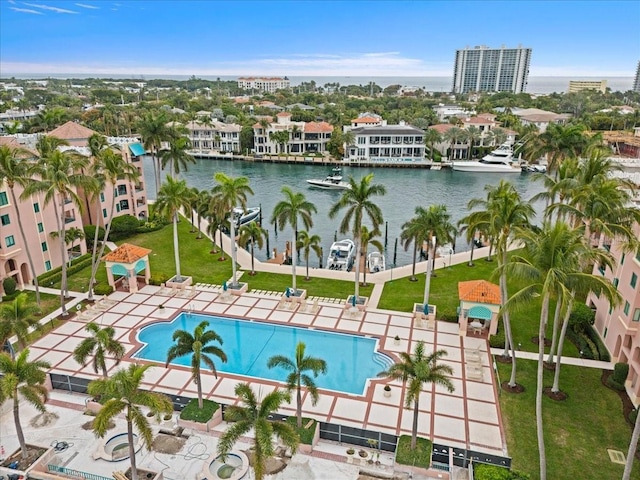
{"x": 22, "y": 380}
{"x": 551, "y": 262}
{"x": 58, "y": 175}
{"x": 473, "y": 135}
{"x": 251, "y": 234}
{"x": 101, "y": 343}
{"x": 153, "y": 130}
{"x": 306, "y": 243}
{"x": 559, "y": 142}
{"x": 199, "y": 346}
{"x": 297, "y": 376}
{"x": 203, "y": 200}
{"x": 256, "y": 416}
{"x": 358, "y": 201}
{"x": 295, "y": 206}
{"x": 454, "y": 136}
{"x": 431, "y": 137}
{"x": 172, "y": 197}
{"x": 228, "y": 193}
{"x": 501, "y": 212}
{"x": 108, "y": 168}
{"x": 418, "y": 369}
{"x": 123, "y": 394}
{"x": 216, "y": 213}
{"x": 633, "y": 446}
{"x": 18, "y": 318}
{"x": 367, "y": 237}
{"x": 177, "y": 156}
{"x": 14, "y": 169}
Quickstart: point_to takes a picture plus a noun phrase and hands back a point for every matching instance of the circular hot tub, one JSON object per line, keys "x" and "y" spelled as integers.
{"x": 233, "y": 467}
{"x": 116, "y": 448}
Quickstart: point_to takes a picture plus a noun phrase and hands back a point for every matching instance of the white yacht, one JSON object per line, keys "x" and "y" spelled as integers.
{"x": 375, "y": 262}
{"x": 333, "y": 181}
{"x": 341, "y": 255}
{"x": 245, "y": 216}
{"x": 499, "y": 160}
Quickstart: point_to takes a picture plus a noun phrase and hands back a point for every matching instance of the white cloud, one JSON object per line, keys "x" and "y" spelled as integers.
{"x": 26, "y": 10}
{"x": 47, "y": 7}
{"x": 84, "y": 5}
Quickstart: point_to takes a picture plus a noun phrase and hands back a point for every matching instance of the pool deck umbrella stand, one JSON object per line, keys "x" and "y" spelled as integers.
{"x": 480, "y": 303}
{"x": 127, "y": 261}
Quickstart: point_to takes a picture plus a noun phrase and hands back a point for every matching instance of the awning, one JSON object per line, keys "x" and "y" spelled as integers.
{"x": 481, "y": 313}
{"x": 136, "y": 149}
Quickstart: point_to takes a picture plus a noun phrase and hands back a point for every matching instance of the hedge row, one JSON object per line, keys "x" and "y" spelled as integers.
{"x": 603, "y": 353}
{"x": 55, "y": 275}
{"x": 494, "y": 472}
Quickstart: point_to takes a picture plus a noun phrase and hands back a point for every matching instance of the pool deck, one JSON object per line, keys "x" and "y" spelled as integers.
{"x": 467, "y": 418}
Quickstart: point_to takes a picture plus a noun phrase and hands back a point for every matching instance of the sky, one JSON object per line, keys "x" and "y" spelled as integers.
{"x": 312, "y": 38}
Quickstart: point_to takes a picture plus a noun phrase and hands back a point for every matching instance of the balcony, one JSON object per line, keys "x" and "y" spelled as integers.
{"x": 139, "y": 188}
{"x": 69, "y": 219}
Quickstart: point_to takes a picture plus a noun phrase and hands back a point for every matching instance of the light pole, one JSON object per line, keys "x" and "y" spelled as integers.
{"x": 427, "y": 282}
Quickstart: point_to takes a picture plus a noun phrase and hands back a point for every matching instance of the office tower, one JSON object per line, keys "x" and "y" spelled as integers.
{"x": 636, "y": 82}
{"x": 484, "y": 69}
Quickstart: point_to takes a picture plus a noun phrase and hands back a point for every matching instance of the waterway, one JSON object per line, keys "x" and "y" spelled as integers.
{"x": 407, "y": 188}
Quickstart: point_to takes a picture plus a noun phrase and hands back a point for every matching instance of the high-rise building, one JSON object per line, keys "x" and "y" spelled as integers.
{"x": 636, "y": 82}
{"x": 580, "y": 85}
{"x": 484, "y": 69}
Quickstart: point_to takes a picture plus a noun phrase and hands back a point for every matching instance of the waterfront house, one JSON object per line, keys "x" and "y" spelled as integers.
{"x": 304, "y": 137}
{"x": 382, "y": 143}
{"x": 214, "y": 135}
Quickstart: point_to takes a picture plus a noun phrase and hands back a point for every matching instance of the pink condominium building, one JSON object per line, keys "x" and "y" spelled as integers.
{"x": 619, "y": 325}
{"x": 39, "y": 219}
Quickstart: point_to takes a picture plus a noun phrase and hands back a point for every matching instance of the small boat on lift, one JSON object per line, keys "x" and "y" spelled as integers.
{"x": 342, "y": 255}
{"x": 375, "y": 262}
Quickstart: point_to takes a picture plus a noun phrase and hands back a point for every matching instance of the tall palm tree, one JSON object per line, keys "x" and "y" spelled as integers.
{"x": 559, "y": 142}
{"x": 14, "y": 170}
{"x": 229, "y": 193}
{"x": 431, "y": 137}
{"x": 251, "y": 234}
{"x": 501, "y": 212}
{"x": 216, "y": 214}
{"x": 176, "y": 156}
{"x": 124, "y": 396}
{"x": 454, "y": 136}
{"x": 633, "y": 447}
{"x": 294, "y": 207}
{"x": 255, "y": 416}
{"x": 358, "y": 202}
{"x": 17, "y": 318}
{"x": 200, "y": 348}
{"x": 108, "y": 168}
{"x": 306, "y": 243}
{"x": 101, "y": 343}
{"x": 22, "y": 380}
{"x": 551, "y": 262}
{"x": 473, "y": 136}
{"x": 154, "y": 131}
{"x": 203, "y": 200}
{"x": 368, "y": 237}
{"x": 173, "y": 196}
{"x": 418, "y": 369}
{"x": 297, "y": 376}
{"x": 57, "y": 175}
{"x": 194, "y": 198}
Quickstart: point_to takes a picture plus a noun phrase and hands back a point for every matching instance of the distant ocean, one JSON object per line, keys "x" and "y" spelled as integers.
{"x": 430, "y": 84}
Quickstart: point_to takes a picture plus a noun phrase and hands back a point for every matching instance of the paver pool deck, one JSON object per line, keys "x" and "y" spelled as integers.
{"x": 467, "y": 418}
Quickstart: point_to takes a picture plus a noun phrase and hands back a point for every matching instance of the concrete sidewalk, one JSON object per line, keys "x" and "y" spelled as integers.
{"x": 578, "y": 362}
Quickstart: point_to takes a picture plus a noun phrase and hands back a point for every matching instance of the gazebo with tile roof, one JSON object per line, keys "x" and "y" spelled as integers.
{"x": 127, "y": 260}
{"x": 479, "y": 301}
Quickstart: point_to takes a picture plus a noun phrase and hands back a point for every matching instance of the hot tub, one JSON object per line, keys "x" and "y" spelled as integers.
{"x": 234, "y": 467}
{"x": 116, "y": 448}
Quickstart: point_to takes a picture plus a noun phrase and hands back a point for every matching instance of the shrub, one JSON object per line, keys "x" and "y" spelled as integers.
{"x": 581, "y": 343}
{"x": 55, "y": 275}
{"x": 497, "y": 340}
{"x": 103, "y": 289}
{"x": 633, "y": 415}
{"x": 483, "y": 471}
{"x": 305, "y": 434}
{"x": 89, "y": 234}
{"x": 9, "y": 285}
{"x": 601, "y": 349}
{"x": 123, "y": 227}
{"x": 581, "y": 317}
{"x": 158, "y": 278}
{"x": 620, "y": 372}
{"x": 192, "y": 413}
{"x": 420, "y": 457}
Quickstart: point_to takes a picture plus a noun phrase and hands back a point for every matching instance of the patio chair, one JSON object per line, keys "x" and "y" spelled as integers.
{"x": 475, "y": 372}
{"x": 192, "y": 292}
{"x": 163, "y": 289}
{"x": 182, "y": 291}
{"x": 303, "y": 305}
{"x": 431, "y": 323}
{"x": 281, "y": 303}
{"x": 316, "y": 306}
{"x": 291, "y": 304}
{"x": 473, "y": 355}
{"x": 173, "y": 291}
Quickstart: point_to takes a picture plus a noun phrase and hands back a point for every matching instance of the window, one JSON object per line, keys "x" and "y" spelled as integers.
{"x": 44, "y": 246}
{"x": 626, "y": 308}
{"x": 605, "y": 332}
{"x": 9, "y": 241}
{"x": 102, "y": 196}
{"x": 634, "y": 279}
{"x": 47, "y": 265}
{"x": 104, "y": 212}
{"x": 4, "y": 219}
{"x": 622, "y": 258}
{"x": 122, "y": 189}
{"x": 124, "y": 204}
{"x": 615, "y": 282}
{"x": 3, "y": 199}
{"x": 36, "y": 207}
{"x": 40, "y": 227}
{"x": 636, "y": 315}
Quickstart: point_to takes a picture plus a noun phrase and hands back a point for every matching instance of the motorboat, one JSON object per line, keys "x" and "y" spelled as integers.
{"x": 375, "y": 262}
{"x": 342, "y": 255}
{"x": 534, "y": 168}
{"x": 499, "y": 160}
{"x": 244, "y": 216}
{"x": 443, "y": 250}
{"x": 333, "y": 181}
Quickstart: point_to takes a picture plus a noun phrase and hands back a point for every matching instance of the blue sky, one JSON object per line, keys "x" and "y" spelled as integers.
{"x": 312, "y": 38}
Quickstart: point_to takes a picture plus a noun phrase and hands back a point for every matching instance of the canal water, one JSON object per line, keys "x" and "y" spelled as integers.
{"x": 407, "y": 188}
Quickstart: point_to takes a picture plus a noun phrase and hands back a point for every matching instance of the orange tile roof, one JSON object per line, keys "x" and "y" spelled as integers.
{"x": 283, "y": 114}
{"x": 478, "y": 120}
{"x": 479, "y": 291}
{"x": 365, "y": 120}
{"x": 12, "y": 143}
{"x": 318, "y": 127}
{"x": 126, "y": 253}
{"x": 71, "y": 131}
{"x": 442, "y": 127}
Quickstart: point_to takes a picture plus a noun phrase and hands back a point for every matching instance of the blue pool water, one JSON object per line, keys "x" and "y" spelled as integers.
{"x": 351, "y": 359}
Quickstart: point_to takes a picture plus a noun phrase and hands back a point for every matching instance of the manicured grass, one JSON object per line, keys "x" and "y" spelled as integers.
{"x": 420, "y": 457}
{"x": 192, "y": 413}
{"x": 577, "y": 432}
{"x": 305, "y": 434}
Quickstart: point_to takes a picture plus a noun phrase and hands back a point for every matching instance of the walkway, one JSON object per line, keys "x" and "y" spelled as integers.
{"x": 578, "y": 362}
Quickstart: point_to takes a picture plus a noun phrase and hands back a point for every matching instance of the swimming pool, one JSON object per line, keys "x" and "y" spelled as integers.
{"x": 351, "y": 359}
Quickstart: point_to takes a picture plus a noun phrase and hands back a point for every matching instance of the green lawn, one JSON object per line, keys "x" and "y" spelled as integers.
{"x": 577, "y": 432}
